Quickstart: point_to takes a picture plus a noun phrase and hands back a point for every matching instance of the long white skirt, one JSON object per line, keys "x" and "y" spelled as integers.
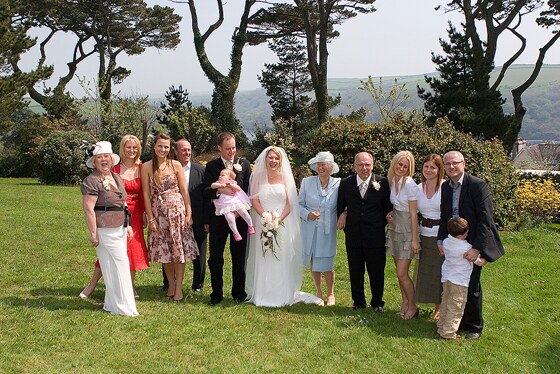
{"x": 111, "y": 252}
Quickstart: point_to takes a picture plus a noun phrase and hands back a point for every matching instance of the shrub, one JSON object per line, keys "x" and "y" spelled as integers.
{"x": 539, "y": 199}
{"x": 485, "y": 159}
{"x": 61, "y": 159}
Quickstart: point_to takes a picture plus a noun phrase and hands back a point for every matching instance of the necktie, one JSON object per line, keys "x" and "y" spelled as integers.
{"x": 229, "y": 165}
{"x": 363, "y": 189}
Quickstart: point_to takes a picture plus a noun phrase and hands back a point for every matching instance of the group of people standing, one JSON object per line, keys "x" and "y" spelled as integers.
{"x": 286, "y": 230}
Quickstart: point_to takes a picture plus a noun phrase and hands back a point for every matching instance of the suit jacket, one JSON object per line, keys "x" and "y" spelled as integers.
{"x": 475, "y": 205}
{"x": 200, "y": 206}
{"x": 366, "y": 219}
{"x": 211, "y": 174}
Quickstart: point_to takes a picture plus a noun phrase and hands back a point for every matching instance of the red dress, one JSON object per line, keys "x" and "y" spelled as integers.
{"x": 136, "y": 246}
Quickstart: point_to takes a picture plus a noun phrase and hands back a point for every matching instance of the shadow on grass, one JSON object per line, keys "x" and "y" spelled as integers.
{"x": 549, "y": 357}
{"x": 388, "y": 324}
{"x": 51, "y": 303}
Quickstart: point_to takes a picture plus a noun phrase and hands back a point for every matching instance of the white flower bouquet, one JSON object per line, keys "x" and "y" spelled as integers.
{"x": 270, "y": 223}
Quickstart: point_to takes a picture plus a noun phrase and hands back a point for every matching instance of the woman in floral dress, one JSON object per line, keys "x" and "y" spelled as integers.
{"x": 170, "y": 237}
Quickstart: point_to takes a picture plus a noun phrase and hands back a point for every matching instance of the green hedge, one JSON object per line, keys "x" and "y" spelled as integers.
{"x": 61, "y": 159}
{"x": 485, "y": 159}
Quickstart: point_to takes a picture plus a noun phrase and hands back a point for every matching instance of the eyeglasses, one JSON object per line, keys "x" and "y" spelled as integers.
{"x": 453, "y": 163}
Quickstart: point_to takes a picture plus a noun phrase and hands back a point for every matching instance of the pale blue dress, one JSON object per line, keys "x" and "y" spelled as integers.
{"x": 319, "y": 237}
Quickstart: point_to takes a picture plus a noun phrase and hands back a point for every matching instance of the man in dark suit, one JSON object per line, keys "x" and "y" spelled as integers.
{"x": 194, "y": 174}
{"x": 218, "y": 227}
{"x": 469, "y": 197}
{"x": 362, "y": 207}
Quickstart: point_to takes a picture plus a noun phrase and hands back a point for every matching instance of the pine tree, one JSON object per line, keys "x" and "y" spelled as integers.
{"x": 175, "y": 99}
{"x": 463, "y": 94}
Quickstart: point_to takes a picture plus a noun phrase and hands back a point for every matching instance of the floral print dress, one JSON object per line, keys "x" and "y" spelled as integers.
{"x": 173, "y": 241}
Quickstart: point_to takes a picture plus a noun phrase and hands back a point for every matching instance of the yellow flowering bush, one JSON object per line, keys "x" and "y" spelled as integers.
{"x": 539, "y": 199}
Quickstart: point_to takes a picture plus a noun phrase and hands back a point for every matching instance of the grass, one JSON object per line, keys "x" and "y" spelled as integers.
{"x": 44, "y": 326}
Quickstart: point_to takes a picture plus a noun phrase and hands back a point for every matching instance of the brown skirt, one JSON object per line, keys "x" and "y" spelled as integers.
{"x": 427, "y": 272}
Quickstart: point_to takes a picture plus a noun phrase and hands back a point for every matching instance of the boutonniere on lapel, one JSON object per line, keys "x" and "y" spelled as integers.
{"x": 374, "y": 183}
{"x": 237, "y": 166}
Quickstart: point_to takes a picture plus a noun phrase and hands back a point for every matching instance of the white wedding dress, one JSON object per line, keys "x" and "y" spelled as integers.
{"x": 276, "y": 281}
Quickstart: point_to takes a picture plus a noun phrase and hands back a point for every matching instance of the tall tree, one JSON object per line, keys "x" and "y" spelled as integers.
{"x": 225, "y": 86}
{"x": 287, "y": 84}
{"x": 13, "y": 43}
{"x": 499, "y": 17}
{"x": 462, "y": 92}
{"x": 313, "y": 20}
{"x": 175, "y": 99}
{"x": 106, "y": 28}
{"x": 548, "y": 18}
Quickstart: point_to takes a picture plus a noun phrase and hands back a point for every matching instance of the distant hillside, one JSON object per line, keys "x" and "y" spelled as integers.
{"x": 542, "y": 100}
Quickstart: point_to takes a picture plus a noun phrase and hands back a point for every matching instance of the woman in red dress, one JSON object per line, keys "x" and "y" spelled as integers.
{"x": 129, "y": 170}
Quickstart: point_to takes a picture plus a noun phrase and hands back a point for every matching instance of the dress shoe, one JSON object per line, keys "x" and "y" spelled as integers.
{"x": 214, "y": 301}
{"x": 239, "y": 300}
{"x": 197, "y": 290}
{"x": 379, "y": 309}
{"x": 473, "y": 335}
{"x": 358, "y": 307}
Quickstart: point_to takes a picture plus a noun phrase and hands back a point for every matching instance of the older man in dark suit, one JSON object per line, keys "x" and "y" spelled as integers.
{"x": 218, "y": 227}
{"x": 362, "y": 207}
{"x": 469, "y": 197}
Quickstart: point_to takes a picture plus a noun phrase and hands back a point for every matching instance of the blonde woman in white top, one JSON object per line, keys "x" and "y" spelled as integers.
{"x": 427, "y": 273}
{"x": 402, "y": 239}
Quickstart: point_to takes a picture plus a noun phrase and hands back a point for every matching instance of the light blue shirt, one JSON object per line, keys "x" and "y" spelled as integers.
{"x": 314, "y": 198}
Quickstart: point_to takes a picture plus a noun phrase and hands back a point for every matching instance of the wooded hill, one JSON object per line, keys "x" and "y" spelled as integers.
{"x": 542, "y": 100}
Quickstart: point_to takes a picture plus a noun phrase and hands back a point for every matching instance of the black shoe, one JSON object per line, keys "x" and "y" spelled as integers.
{"x": 239, "y": 300}
{"x": 164, "y": 287}
{"x": 197, "y": 290}
{"x": 379, "y": 309}
{"x": 214, "y": 301}
{"x": 358, "y": 307}
{"x": 473, "y": 335}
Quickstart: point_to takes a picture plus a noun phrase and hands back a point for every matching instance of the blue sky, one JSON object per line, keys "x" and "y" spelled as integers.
{"x": 396, "y": 40}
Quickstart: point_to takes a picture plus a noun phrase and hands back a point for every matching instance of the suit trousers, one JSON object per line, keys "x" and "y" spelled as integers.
{"x": 472, "y": 318}
{"x": 219, "y": 232}
{"x": 453, "y": 300}
{"x": 372, "y": 259}
{"x": 199, "y": 265}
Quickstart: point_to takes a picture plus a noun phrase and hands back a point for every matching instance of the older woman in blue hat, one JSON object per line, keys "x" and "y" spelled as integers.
{"x": 317, "y": 202}
{"x": 104, "y": 203}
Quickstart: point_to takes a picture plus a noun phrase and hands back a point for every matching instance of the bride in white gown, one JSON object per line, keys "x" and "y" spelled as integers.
{"x": 274, "y": 279}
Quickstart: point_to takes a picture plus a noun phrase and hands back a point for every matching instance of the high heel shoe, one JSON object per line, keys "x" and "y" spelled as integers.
{"x": 412, "y": 316}
{"x": 85, "y": 294}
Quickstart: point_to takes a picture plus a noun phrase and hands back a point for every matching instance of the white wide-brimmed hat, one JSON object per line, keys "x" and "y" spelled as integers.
{"x": 324, "y": 156}
{"x": 101, "y": 148}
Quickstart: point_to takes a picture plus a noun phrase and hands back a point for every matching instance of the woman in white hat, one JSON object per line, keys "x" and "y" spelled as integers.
{"x": 317, "y": 202}
{"x": 104, "y": 203}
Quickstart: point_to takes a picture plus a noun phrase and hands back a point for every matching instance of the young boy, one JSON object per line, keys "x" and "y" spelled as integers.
{"x": 455, "y": 275}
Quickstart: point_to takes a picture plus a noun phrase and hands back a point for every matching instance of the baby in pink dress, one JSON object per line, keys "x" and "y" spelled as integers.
{"x": 230, "y": 206}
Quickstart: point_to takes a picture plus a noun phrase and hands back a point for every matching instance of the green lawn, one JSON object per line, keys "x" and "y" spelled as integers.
{"x": 45, "y": 327}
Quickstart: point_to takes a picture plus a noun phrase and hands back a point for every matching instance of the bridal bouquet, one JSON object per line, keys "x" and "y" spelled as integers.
{"x": 270, "y": 223}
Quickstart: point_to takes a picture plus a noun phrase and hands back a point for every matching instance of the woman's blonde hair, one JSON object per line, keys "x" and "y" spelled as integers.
{"x": 402, "y": 154}
{"x": 134, "y": 140}
{"x": 277, "y": 152}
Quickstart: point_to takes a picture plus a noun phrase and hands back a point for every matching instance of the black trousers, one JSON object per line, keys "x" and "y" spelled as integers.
{"x": 219, "y": 232}
{"x": 372, "y": 259}
{"x": 472, "y": 320}
{"x": 199, "y": 265}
